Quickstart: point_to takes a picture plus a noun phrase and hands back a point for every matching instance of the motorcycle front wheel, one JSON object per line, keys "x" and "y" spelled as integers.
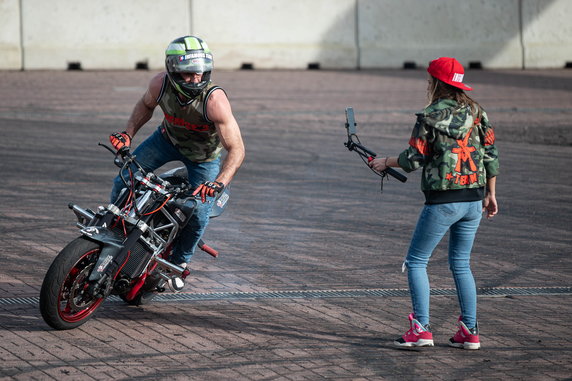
{"x": 64, "y": 300}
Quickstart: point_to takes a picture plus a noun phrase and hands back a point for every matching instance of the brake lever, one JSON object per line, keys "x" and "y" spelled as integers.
{"x": 107, "y": 148}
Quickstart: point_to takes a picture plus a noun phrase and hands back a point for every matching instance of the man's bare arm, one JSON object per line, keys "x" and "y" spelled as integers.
{"x": 220, "y": 113}
{"x": 143, "y": 110}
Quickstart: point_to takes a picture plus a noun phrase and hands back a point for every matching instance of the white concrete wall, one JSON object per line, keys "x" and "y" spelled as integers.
{"x": 392, "y": 32}
{"x": 289, "y": 34}
{"x": 10, "y": 47}
{"x": 547, "y": 33}
{"x": 102, "y": 34}
{"x": 278, "y": 33}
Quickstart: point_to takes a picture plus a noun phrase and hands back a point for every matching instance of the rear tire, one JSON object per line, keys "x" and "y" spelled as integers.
{"x": 64, "y": 304}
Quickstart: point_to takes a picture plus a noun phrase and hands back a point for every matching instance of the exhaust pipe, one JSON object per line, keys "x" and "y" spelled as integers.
{"x": 177, "y": 274}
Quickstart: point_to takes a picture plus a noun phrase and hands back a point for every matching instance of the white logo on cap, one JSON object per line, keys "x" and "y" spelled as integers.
{"x": 458, "y": 77}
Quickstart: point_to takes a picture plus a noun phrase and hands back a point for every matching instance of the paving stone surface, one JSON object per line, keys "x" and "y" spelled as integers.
{"x": 305, "y": 215}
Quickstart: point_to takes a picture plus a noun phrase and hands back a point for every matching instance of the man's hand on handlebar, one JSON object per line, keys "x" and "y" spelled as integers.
{"x": 120, "y": 140}
{"x": 209, "y": 188}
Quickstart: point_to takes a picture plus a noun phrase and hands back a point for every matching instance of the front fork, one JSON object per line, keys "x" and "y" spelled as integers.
{"x": 115, "y": 249}
{"x": 114, "y": 253}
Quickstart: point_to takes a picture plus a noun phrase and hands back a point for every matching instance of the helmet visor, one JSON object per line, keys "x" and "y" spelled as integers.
{"x": 193, "y": 62}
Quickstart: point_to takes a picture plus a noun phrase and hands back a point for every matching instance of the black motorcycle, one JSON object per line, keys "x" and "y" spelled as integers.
{"x": 124, "y": 248}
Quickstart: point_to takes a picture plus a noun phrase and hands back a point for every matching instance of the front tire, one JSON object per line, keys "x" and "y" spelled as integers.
{"x": 64, "y": 302}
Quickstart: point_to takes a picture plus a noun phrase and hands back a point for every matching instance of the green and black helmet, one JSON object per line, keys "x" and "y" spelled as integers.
{"x": 188, "y": 54}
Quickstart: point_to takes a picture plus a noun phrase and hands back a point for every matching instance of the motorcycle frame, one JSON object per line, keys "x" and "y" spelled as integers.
{"x": 138, "y": 226}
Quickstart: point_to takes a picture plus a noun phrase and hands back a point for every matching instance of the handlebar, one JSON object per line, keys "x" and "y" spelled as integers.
{"x": 370, "y": 155}
{"x": 364, "y": 152}
{"x": 123, "y": 158}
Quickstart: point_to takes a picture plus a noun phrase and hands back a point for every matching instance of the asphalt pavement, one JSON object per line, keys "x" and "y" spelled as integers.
{"x": 308, "y": 285}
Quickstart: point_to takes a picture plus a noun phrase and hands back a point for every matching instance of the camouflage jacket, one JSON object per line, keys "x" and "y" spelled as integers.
{"x": 455, "y": 149}
{"x": 187, "y": 126}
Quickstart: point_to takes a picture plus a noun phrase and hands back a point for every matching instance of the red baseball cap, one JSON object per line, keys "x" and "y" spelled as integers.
{"x": 448, "y": 70}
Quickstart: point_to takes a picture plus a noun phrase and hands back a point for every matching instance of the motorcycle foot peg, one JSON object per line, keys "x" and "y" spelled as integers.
{"x": 185, "y": 273}
{"x": 161, "y": 286}
{"x": 176, "y": 284}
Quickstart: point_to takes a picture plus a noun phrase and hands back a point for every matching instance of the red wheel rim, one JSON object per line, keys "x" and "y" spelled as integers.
{"x": 73, "y": 302}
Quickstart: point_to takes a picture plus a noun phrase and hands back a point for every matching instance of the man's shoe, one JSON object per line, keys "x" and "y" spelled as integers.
{"x": 417, "y": 336}
{"x": 465, "y": 338}
{"x": 177, "y": 283}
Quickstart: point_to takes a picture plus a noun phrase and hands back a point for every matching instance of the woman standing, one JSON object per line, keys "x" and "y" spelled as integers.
{"x": 454, "y": 144}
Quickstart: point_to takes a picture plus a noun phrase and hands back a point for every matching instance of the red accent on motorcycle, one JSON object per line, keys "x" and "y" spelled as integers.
{"x": 185, "y": 273}
{"x": 135, "y": 289}
{"x": 74, "y": 304}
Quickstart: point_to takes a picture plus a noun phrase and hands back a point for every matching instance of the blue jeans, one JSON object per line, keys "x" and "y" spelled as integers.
{"x": 462, "y": 220}
{"x": 156, "y": 151}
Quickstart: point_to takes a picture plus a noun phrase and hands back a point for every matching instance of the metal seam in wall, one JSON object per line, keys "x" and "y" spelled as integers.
{"x": 521, "y": 32}
{"x": 22, "y": 53}
{"x": 191, "y": 22}
{"x": 357, "y": 36}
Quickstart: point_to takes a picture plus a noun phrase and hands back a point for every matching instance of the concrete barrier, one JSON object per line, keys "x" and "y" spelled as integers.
{"x": 392, "y": 33}
{"x": 547, "y": 33}
{"x": 286, "y": 34}
{"x": 10, "y": 45}
{"x": 103, "y": 34}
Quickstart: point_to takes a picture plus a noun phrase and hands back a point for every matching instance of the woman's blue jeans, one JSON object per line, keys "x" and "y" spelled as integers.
{"x": 462, "y": 220}
{"x": 155, "y": 152}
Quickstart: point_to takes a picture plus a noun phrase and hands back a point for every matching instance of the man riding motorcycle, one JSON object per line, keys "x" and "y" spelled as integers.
{"x": 198, "y": 123}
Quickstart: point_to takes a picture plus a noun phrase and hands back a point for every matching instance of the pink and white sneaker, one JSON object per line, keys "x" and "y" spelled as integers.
{"x": 465, "y": 338}
{"x": 417, "y": 336}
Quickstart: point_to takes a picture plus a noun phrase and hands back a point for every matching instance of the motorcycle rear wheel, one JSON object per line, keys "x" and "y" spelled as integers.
{"x": 64, "y": 302}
